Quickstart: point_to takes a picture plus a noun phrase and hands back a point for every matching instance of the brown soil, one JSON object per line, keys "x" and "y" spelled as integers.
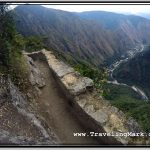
{"x": 55, "y": 109}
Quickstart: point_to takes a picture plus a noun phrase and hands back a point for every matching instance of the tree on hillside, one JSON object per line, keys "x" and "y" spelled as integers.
{"x": 33, "y": 43}
{"x": 7, "y": 32}
{"x": 12, "y": 62}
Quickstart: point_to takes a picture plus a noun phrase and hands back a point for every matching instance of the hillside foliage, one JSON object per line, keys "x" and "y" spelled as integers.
{"x": 130, "y": 103}
{"x": 12, "y": 63}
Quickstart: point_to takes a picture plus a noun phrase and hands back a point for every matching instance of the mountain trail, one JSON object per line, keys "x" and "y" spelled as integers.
{"x": 55, "y": 109}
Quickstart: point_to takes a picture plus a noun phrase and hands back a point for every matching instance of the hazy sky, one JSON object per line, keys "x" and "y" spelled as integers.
{"x": 133, "y": 9}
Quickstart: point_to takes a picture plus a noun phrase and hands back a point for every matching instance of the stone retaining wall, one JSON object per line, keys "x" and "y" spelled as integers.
{"x": 96, "y": 114}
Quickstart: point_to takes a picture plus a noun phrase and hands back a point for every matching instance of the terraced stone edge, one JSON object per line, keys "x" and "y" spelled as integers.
{"x": 96, "y": 114}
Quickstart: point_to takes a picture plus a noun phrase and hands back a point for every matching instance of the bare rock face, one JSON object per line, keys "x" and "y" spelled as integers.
{"x": 7, "y": 138}
{"x": 59, "y": 67}
{"x": 62, "y": 69}
{"x": 35, "y": 77}
{"x": 100, "y": 116}
{"x": 3, "y": 96}
{"x": 76, "y": 84}
{"x": 19, "y": 123}
{"x": 133, "y": 125}
{"x": 3, "y": 90}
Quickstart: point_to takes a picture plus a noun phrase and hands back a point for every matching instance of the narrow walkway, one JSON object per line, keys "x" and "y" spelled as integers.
{"x": 54, "y": 107}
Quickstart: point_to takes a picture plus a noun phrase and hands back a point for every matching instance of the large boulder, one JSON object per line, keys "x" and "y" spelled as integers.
{"x": 77, "y": 84}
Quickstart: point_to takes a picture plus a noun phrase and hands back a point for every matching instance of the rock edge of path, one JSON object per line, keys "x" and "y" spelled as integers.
{"x": 91, "y": 109}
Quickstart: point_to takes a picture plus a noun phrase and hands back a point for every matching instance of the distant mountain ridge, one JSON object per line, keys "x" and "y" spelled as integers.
{"x": 91, "y": 36}
{"x": 144, "y": 14}
{"x": 129, "y": 29}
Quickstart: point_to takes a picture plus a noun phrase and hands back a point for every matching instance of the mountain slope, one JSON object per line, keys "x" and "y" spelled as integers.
{"x": 66, "y": 32}
{"x": 129, "y": 29}
{"x": 94, "y": 37}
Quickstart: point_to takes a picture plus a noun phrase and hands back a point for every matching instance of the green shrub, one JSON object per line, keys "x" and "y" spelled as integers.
{"x": 18, "y": 71}
{"x": 12, "y": 62}
{"x": 33, "y": 43}
{"x": 97, "y": 75}
{"x": 142, "y": 115}
{"x": 128, "y": 101}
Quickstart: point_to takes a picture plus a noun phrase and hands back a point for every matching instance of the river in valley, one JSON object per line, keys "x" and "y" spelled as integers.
{"x": 114, "y": 66}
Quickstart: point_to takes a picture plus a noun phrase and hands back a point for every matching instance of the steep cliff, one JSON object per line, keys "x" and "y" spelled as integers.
{"x": 128, "y": 29}
{"x": 94, "y": 37}
{"x": 66, "y": 32}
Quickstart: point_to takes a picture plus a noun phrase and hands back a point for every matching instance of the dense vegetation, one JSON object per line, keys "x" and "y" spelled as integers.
{"x": 8, "y": 38}
{"x": 129, "y": 102}
{"x": 12, "y": 62}
{"x": 136, "y": 71}
{"x": 33, "y": 43}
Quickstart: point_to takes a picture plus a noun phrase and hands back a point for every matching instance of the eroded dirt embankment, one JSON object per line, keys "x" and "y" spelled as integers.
{"x": 54, "y": 107}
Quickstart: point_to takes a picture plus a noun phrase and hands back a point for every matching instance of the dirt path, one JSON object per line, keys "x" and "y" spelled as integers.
{"x": 54, "y": 107}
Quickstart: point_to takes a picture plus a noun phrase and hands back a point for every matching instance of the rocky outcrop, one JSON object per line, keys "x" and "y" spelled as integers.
{"x": 19, "y": 124}
{"x": 35, "y": 76}
{"x": 6, "y": 138}
{"x": 3, "y": 90}
{"x": 94, "y": 112}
